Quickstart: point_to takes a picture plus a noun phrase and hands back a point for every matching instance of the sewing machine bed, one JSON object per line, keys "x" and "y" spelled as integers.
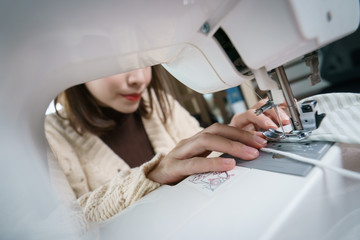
{"x": 281, "y": 164}
{"x": 247, "y": 203}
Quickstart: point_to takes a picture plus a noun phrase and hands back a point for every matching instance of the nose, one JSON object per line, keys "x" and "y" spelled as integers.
{"x": 137, "y": 77}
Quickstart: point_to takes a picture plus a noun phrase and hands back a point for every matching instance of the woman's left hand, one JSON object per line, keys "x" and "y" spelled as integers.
{"x": 250, "y": 122}
{"x": 190, "y": 155}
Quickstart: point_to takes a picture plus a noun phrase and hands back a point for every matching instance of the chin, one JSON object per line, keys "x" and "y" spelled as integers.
{"x": 127, "y": 109}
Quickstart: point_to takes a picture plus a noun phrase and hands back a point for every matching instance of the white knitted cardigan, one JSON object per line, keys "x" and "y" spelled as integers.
{"x": 101, "y": 181}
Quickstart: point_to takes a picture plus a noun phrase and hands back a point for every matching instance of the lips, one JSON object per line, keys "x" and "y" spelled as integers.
{"x": 132, "y": 97}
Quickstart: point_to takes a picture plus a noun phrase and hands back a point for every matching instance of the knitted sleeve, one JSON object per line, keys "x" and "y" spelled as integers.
{"x": 64, "y": 151}
{"x": 122, "y": 191}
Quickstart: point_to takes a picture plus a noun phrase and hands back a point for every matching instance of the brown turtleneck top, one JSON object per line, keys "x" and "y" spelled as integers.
{"x": 128, "y": 139}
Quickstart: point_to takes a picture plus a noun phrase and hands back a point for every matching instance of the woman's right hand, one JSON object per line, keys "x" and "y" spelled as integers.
{"x": 248, "y": 120}
{"x": 190, "y": 155}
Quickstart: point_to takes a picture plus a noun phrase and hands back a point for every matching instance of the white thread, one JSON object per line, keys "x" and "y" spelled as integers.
{"x": 341, "y": 171}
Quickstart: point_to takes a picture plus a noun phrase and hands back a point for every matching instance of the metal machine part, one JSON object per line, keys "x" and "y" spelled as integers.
{"x": 304, "y": 119}
{"x": 289, "y": 98}
{"x": 293, "y": 136}
{"x": 268, "y": 105}
{"x": 312, "y": 61}
{"x": 310, "y": 118}
{"x": 281, "y": 164}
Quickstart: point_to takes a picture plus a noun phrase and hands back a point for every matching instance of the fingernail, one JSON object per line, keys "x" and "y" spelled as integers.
{"x": 228, "y": 161}
{"x": 249, "y": 127}
{"x": 260, "y": 140}
{"x": 251, "y": 151}
{"x": 285, "y": 118}
{"x": 270, "y": 124}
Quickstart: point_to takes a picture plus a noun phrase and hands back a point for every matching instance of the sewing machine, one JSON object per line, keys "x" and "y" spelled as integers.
{"x": 48, "y": 46}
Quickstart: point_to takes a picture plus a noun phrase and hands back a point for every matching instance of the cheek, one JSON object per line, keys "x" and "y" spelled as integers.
{"x": 99, "y": 89}
{"x": 115, "y": 83}
{"x": 94, "y": 87}
{"x": 148, "y": 76}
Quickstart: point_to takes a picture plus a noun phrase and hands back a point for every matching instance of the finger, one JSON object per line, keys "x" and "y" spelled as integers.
{"x": 259, "y": 103}
{"x": 240, "y": 135}
{"x": 282, "y": 114}
{"x": 285, "y": 119}
{"x": 283, "y": 105}
{"x": 211, "y": 142}
{"x": 261, "y": 121}
{"x": 249, "y": 127}
{"x": 202, "y": 165}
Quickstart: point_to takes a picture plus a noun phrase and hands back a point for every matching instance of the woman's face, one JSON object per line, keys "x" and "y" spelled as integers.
{"x": 121, "y": 92}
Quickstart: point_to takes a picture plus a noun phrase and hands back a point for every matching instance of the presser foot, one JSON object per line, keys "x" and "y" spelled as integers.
{"x": 293, "y": 136}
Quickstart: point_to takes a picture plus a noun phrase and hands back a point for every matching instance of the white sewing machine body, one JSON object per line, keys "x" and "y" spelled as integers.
{"x": 255, "y": 204}
{"x": 50, "y": 46}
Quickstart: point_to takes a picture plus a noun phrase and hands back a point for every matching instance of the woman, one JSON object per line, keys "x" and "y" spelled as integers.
{"x": 121, "y": 137}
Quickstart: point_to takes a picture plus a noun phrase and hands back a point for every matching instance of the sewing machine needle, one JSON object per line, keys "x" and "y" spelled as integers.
{"x": 278, "y": 116}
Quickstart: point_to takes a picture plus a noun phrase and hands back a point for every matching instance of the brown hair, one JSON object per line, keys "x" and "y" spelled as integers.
{"x": 85, "y": 114}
